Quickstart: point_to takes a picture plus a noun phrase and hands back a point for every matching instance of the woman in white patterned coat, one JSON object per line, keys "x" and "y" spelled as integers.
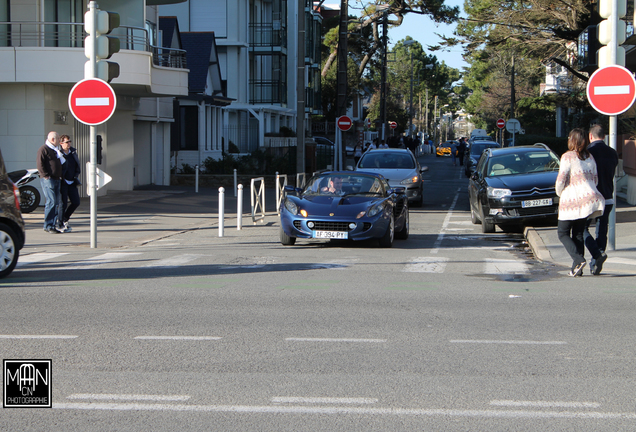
{"x": 579, "y": 198}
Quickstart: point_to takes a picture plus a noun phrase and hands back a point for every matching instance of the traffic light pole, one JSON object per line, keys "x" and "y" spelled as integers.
{"x": 92, "y": 164}
{"x": 613, "y": 126}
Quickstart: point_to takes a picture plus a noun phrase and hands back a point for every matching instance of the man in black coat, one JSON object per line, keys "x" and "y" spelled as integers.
{"x": 49, "y": 163}
{"x": 606, "y": 161}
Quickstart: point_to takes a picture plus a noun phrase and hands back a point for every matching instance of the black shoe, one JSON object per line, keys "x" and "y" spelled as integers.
{"x": 598, "y": 265}
{"x": 577, "y": 270}
{"x": 52, "y": 230}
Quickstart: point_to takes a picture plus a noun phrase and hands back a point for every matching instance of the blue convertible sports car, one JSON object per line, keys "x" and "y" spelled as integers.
{"x": 345, "y": 205}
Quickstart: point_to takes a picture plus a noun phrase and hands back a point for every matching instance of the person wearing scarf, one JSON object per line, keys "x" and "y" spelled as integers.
{"x": 49, "y": 164}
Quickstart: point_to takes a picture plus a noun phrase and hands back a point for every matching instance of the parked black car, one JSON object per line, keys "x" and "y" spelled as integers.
{"x": 12, "y": 234}
{"x": 471, "y": 157}
{"x": 513, "y": 187}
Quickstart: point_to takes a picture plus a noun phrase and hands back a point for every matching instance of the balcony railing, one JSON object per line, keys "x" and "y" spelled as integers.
{"x": 268, "y": 35}
{"x": 268, "y": 92}
{"x": 72, "y": 35}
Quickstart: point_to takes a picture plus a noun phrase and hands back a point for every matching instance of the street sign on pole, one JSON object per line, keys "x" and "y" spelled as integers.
{"x": 501, "y": 123}
{"x": 92, "y": 101}
{"x": 393, "y": 124}
{"x": 611, "y": 90}
{"x": 344, "y": 123}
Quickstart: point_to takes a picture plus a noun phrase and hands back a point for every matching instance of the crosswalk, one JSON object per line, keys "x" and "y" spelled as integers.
{"x": 146, "y": 260}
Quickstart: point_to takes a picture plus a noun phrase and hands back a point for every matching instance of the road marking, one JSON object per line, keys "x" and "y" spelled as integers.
{"x": 611, "y": 90}
{"x": 503, "y": 266}
{"x": 37, "y": 257}
{"x": 96, "y": 261}
{"x": 509, "y": 342}
{"x": 323, "y": 400}
{"x": 544, "y": 404}
{"x": 137, "y": 397}
{"x": 92, "y": 101}
{"x": 440, "y": 236}
{"x": 292, "y": 339}
{"x": 174, "y": 261}
{"x": 38, "y": 337}
{"x": 255, "y": 409}
{"x": 195, "y": 338}
{"x": 427, "y": 265}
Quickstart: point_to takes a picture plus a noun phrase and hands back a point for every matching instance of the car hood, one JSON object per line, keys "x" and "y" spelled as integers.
{"x": 542, "y": 180}
{"x": 393, "y": 175}
{"x": 339, "y": 206}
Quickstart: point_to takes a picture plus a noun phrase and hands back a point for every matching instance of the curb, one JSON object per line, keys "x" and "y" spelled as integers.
{"x": 537, "y": 245}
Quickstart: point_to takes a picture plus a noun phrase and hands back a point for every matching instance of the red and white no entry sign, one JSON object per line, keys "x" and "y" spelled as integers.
{"x": 501, "y": 123}
{"x": 611, "y": 90}
{"x": 393, "y": 124}
{"x": 92, "y": 101}
{"x": 344, "y": 123}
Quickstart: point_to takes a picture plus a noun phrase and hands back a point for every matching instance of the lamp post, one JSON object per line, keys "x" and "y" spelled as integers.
{"x": 385, "y": 24}
{"x": 407, "y": 43}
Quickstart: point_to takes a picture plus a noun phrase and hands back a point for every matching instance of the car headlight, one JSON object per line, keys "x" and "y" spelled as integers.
{"x": 374, "y": 210}
{"x": 291, "y": 207}
{"x": 410, "y": 180}
{"x": 497, "y": 193}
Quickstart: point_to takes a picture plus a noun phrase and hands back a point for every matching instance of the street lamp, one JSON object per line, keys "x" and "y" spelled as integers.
{"x": 384, "y": 8}
{"x": 407, "y": 43}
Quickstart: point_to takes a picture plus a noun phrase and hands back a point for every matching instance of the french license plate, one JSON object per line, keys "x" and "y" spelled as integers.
{"x": 331, "y": 234}
{"x": 536, "y": 203}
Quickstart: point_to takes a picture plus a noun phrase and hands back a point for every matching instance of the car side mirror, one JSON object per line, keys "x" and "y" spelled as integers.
{"x": 474, "y": 176}
{"x": 292, "y": 189}
{"x": 424, "y": 169}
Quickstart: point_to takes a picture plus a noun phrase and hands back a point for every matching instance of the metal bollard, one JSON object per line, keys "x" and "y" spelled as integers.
{"x": 239, "y": 208}
{"x": 235, "y": 181}
{"x": 196, "y": 179}
{"x": 221, "y": 210}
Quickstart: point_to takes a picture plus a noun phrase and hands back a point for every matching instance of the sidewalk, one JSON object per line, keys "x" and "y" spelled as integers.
{"x": 133, "y": 218}
{"x": 621, "y": 261}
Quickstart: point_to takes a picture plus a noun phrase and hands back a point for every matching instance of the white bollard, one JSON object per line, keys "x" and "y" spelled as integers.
{"x": 239, "y": 208}
{"x": 196, "y": 179}
{"x": 235, "y": 181}
{"x": 221, "y": 210}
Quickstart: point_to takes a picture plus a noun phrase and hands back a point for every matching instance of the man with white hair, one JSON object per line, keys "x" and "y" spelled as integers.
{"x": 49, "y": 162}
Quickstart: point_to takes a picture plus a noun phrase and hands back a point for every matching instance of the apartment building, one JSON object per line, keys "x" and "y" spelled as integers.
{"x": 42, "y": 57}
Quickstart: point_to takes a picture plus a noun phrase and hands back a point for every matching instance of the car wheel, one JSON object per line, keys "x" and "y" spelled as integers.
{"x": 486, "y": 227}
{"x": 9, "y": 252}
{"x": 29, "y": 199}
{"x": 473, "y": 216}
{"x": 403, "y": 234}
{"x": 386, "y": 241}
{"x": 285, "y": 239}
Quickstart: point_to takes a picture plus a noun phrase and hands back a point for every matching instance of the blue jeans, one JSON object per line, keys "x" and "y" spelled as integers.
{"x": 51, "y": 189}
{"x": 598, "y": 245}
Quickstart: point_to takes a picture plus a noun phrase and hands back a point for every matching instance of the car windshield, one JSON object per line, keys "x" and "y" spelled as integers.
{"x": 375, "y": 160}
{"x": 522, "y": 163}
{"x": 343, "y": 184}
{"x": 478, "y": 148}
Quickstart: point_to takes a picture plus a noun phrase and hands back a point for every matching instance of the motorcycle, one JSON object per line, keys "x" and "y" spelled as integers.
{"x": 29, "y": 196}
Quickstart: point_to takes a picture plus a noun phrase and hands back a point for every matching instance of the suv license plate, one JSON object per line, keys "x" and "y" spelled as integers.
{"x": 330, "y": 234}
{"x": 536, "y": 203}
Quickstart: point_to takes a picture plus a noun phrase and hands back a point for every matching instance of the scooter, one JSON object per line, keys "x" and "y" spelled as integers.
{"x": 29, "y": 196}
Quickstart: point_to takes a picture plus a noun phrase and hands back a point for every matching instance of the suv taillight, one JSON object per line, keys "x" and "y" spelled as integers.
{"x": 16, "y": 195}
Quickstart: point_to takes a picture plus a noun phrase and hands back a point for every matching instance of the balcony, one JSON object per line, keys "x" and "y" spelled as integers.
{"x": 268, "y": 37}
{"x": 53, "y": 52}
{"x": 268, "y": 92}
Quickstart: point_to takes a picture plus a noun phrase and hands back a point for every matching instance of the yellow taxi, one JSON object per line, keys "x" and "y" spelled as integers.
{"x": 444, "y": 149}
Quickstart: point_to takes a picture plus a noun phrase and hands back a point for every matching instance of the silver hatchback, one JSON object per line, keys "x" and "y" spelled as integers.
{"x": 399, "y": 167}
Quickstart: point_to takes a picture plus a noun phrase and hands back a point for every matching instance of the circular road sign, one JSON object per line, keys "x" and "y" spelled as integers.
{"x": 611, "y": 90}
{"x": 513, "y": 126}
{"x": 501, "y": 123}
{"x": 344, "y": 123}
{"x": 393, "y": 124}
{"x": 92, "y": 101}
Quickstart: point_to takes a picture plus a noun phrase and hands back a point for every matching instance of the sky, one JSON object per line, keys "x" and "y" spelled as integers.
{"x": 423, "y": 29}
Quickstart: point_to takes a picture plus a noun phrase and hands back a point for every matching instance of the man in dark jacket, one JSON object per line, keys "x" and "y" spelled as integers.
{"x": 49, "y": 163}
{"x": 606, "y": 161}
{"x": 68, "y": 185}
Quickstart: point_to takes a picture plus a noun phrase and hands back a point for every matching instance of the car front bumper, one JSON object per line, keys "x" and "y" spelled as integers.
{"x": 365, "y": 227}
{"x": 506, "y": 211}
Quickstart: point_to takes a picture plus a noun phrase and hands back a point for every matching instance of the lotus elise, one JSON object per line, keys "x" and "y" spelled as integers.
{"x": 345, "y": 205}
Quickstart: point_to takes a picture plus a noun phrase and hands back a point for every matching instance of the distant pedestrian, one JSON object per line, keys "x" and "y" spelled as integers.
{"x": 357, "y": 153}
{"x": 49, "y": 162}
{"x": 68, "y": 185}
{"x": 461, "y": 149}
{"x": 579, "y": 198}
{"x": 606, "y": 161}
{"x": 453, "y": 148}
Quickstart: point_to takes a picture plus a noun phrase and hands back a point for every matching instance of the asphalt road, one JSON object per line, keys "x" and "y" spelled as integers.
{"x": 451, "y": 329}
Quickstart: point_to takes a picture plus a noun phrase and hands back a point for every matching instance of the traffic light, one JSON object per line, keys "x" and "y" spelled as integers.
{"x": 607, "y": 34}
{"x": 98, "y": 46}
